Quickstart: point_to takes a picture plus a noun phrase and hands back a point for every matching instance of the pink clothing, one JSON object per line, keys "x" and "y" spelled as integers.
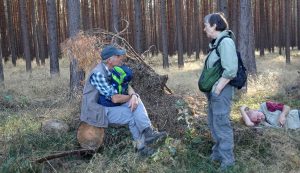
{"x": 274, "y": 106}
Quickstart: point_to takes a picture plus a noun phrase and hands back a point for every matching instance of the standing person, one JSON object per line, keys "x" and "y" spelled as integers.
{"x": 131, "y": 112}
{"x": 220, "y": 96}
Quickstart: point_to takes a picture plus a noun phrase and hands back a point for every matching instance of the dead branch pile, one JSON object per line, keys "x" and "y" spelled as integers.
{"x": 85, "y": 47}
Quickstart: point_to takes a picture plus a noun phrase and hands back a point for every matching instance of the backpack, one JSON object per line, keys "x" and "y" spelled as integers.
{"x": 241, "y": 77}
{"x": 209, "y": 76}
{"x": 121, "y": 76}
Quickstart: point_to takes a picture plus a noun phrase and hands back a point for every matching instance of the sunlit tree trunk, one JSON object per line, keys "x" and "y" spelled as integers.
{"x": 246, "y": 42}
{"x": 52, "y": 35}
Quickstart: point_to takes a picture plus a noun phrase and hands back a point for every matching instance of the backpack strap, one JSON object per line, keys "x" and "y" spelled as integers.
{"x": 217, "y": 45}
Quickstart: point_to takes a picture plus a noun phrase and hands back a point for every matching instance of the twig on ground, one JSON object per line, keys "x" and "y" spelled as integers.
{"x": 63, "y": 154}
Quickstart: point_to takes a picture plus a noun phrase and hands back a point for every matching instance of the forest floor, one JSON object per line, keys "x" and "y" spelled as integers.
{"x": 28, "y": 100}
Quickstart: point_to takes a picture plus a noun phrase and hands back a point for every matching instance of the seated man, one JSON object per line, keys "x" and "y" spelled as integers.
{"x": 120, "y": 78}
{"x": 271, "y": 114}
{"x": 131, "y": 112}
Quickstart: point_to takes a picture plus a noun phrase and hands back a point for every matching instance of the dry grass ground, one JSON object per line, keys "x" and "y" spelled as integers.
{"x": 29, "y": 99}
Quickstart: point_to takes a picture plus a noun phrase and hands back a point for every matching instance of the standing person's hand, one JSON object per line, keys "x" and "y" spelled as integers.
{"x": 133, "y": 102}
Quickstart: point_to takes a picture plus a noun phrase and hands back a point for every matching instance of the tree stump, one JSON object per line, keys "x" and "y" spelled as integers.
{"x": 90, "y": 137}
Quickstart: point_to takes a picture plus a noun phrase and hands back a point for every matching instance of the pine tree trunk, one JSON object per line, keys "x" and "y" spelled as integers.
{"x": 246, "y": 42}
{"x": 197, "y": 29}
{"x": 1, "y": 66}
{"x": 262, "y": 28}
{"x": 189, "y": 27}
{"x": 298, "y": 23}
{"x": 35, "y": 36}
{"x": 115, "y": 16}
{"x": 11, "y": 33}
{"x": 40, "y": 34}
{"x": 138, "y": 26}
{"x": 76, "y": 75}
{"x": 52, "y": 35}
{"x": 287, "y": 31}
{"x": 25, "y": 35}
{"x": 179, "y": 33}
{"x": 84, "y": 14}
{"x": 3, "y": 33}
{"x": 280, "y": 24}
{"x": 164, "y": 34}
{"x": 222, "y": 7}
{"x": 171, "y": 27}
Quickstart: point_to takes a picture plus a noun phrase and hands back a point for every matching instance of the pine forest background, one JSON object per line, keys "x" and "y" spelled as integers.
{"x": 34, "y": 29}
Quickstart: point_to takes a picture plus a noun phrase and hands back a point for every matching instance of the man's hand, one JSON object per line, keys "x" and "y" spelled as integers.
{"x": 133, "y": 102}
{"x": 284, "y": 113}
{"x": 282, "y": 120}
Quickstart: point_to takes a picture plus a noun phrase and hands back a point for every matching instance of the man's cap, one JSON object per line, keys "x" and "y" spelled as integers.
{"x": 110, "y": 51}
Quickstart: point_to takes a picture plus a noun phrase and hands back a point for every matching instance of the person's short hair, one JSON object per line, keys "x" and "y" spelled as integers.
{"x": 218, "y": 19}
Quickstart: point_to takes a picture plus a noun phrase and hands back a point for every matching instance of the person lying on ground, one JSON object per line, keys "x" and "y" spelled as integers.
{"x": 271, "y": 114}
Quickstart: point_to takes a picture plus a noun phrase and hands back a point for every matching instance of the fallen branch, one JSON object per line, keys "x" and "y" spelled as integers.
{"x": 63, "y": 154}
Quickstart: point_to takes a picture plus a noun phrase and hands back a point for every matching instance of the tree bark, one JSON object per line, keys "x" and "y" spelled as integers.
{"x": 262, "y": 28}
{"x": 1, "y": 67}
{"x": 197, "y": 29}
{"x": 171, "y": 27}
{"x": 40, "y": 34}
{"x": 11, "y": 33}
{"x": 222, "y": 7}
{"x": 76, "y": 75}
{"x": 24, "y": 29}
{"x": 164, "y": 34}
{"x": 179, "y": 33}
{"x": 115, "y": 16}
{"x": 298, "y": 23}
{"x": 138, "y": 26}
{"x": 246, "y": 42}
{"x": 287, "y": 31}
{"x": 35, "y": 34}
{"x": 3, "y": 31}
{"x": 52, "y": 35}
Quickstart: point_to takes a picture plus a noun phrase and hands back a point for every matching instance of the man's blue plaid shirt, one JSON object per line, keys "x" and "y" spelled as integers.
{"x": 103, "y": 85}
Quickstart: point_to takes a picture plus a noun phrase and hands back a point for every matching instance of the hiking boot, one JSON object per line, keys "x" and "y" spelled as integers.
{"x": 152, "y": 135}
{"x": 146, "y": 151}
